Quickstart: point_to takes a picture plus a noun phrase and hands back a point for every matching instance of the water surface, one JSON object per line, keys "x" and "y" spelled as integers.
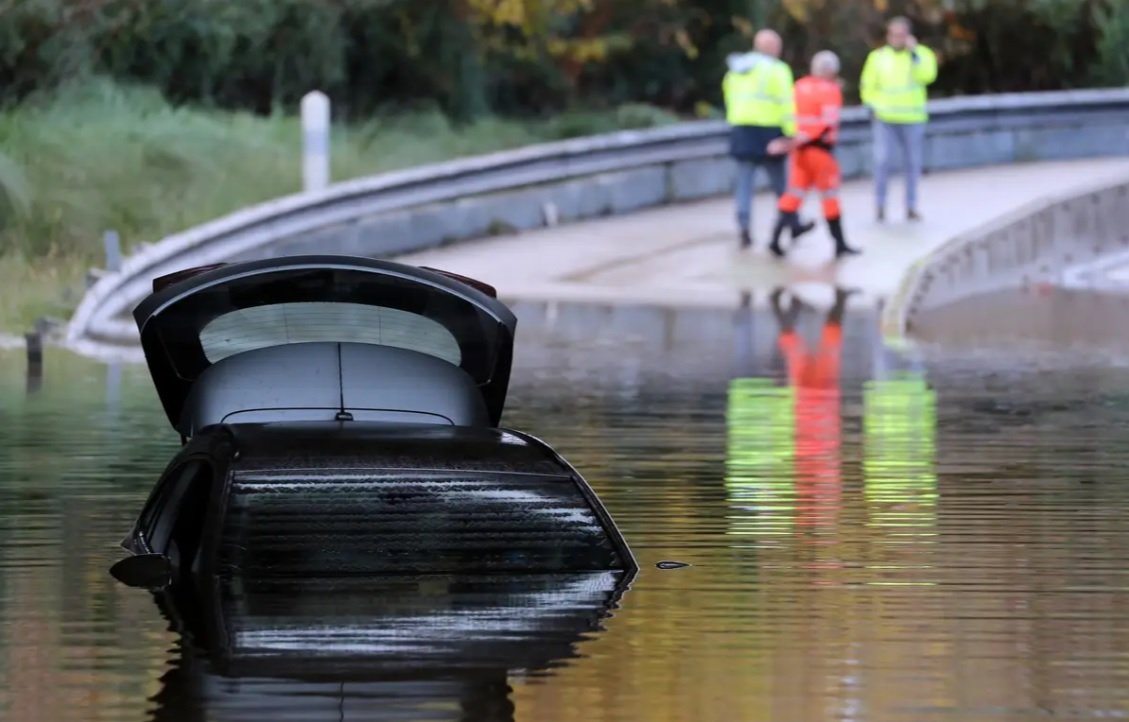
{"x": 937, "y": 534}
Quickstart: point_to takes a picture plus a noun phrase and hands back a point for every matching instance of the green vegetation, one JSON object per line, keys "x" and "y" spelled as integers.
{"x": 481, "y": 57}
{"x": 97, "y": 156}
{"x": 32, "y": 288}
{"x": 150, "y": 116}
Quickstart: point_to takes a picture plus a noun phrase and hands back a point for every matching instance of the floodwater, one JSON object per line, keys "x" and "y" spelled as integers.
{"x": 943, "y": 534}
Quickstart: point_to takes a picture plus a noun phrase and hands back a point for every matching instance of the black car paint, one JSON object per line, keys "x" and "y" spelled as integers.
{"x": 369, "y": 447}
{"x": 328, "y": 444}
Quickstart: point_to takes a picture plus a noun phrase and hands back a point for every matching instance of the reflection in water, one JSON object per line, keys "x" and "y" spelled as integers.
{"x": 973, "y": 563}
{"x": 387, "y": 648}
{"x": 899, "y": 422}
{"x": 761, "y": 438}
{"x": 814, "y": 376}
{"x": 783, "y": 462}
{"x": 34, "y": 344}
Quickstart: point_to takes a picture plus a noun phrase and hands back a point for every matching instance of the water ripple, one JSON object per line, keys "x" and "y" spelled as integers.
{"x": 939, "y": 537}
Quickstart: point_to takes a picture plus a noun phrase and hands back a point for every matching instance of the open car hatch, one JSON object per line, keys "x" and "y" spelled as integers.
{"x": 338, "y": 335}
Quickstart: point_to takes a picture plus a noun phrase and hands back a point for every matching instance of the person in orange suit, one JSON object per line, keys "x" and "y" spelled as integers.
{"x": 814, "y": 376}
{"x": 819, "y": 100}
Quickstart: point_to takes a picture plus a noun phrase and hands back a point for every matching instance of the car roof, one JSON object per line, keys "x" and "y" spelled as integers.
{"x": 352, "y": 445}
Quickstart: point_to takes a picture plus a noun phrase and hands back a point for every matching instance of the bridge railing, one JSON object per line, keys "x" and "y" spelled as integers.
{"x": 414, "y": 209}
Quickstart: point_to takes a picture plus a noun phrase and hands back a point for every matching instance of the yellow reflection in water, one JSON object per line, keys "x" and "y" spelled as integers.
{"x": 899, "y": 428}
{"x": 900, "y": 482}
{"x": 759, "y": 477}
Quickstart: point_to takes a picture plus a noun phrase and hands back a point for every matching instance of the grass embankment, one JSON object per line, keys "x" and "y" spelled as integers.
{"x": 102, "y": 156}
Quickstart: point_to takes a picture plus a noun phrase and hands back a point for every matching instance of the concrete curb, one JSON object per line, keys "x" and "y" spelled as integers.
{"x": 1031, "y": 240}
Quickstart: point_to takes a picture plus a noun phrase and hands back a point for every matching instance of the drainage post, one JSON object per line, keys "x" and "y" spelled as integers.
{"x": 315, "y": 141}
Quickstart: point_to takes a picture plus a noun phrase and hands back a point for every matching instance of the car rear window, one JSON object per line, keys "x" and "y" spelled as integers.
{"x": 361, "y": 522}
{"x": 248, "y": 329}
{"x": 295, "y": 306}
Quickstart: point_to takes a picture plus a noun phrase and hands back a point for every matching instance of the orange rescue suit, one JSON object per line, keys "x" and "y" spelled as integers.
{"x": 819, "y": 102}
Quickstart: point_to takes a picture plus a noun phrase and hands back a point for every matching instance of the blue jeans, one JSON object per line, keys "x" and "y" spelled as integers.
{"x": 910, "y": 137}
{"x": 746, "y": 175}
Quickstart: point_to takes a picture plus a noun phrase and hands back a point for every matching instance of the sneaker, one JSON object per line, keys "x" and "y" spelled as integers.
{"x": 880, "y": 215}
{"x": 746, "y": 239}
{"x": 913, "y": 216}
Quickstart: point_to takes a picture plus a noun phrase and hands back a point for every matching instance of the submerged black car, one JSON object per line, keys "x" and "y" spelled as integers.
{"x": 340, "y": 417}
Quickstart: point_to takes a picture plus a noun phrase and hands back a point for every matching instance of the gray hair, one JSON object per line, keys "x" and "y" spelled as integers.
{"x": 825, "y": 62}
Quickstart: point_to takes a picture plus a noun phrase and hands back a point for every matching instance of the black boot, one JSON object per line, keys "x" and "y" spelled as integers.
{"x": 841, "y": 247}
{"x": 799, "y": 227}
{"x": 783, "y": 220}
{"x": 746, "y": 239}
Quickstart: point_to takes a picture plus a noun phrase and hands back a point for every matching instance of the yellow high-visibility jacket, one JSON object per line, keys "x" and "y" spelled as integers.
{"x": 894, "y": 83}
{"x": 758, "y": 91}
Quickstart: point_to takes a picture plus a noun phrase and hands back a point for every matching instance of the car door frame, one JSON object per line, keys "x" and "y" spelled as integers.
{"x": 213, "y": 452}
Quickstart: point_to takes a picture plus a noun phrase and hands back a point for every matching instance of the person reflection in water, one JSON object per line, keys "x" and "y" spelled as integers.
{"x": 813, "y": 374}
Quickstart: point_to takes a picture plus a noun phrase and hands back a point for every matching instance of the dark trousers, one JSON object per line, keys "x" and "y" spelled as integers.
{"x": 746, "y": 177}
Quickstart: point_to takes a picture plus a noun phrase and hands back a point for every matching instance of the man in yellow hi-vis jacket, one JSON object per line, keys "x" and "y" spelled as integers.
{"x": 893, "y": 85}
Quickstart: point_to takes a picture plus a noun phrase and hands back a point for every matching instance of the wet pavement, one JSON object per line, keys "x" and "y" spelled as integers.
{"x": 934, "y": 533}
{"x": 686, "y": 254}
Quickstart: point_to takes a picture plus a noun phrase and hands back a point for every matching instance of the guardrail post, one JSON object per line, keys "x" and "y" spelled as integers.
{"x": 112, "y": 243}
{"x": 315, "y": 141}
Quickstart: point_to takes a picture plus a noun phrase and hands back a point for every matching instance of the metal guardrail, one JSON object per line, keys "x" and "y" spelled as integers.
{"x": 103, "y": 315}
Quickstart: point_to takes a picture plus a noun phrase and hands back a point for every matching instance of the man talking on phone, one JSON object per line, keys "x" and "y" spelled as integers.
{"x": 893, "y": 85}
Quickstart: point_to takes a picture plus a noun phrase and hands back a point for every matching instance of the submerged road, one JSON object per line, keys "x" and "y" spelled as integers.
{"x": 687, "y": 255}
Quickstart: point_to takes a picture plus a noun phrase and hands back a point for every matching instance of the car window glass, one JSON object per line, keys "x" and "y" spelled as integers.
{"x": 159, "y": 527}
{"x": 327, "y": 304}
{"x": 277, "y": 324}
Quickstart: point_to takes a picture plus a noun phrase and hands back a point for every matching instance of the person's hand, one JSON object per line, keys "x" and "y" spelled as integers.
{"x": 911, "y": 43}
{"x": 779, "y": 146}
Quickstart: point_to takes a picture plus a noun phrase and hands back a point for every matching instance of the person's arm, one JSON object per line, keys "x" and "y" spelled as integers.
{"x": 868, "y": 81}
{"x": 924, "y": 65}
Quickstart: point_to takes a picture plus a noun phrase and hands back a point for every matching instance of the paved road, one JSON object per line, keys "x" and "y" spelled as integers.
{"x": 687, "y": 254}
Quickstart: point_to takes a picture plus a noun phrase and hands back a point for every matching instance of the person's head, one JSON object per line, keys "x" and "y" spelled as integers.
{"x": 898, "y": 31}
{"x": 825, "y": 64}
{"x": 768, "y": 42}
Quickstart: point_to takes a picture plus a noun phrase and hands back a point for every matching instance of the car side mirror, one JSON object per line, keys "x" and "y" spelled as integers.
{"x": 147, "y": 571}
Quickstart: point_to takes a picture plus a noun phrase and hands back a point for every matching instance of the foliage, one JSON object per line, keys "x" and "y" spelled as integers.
{"x": 112, "y": 115}
{"x": 99, "y": 155}
{"x": 476, "y": 57}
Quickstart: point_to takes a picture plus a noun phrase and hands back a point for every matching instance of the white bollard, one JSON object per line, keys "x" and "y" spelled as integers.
{"x": 112, "y": 244}
{"x": 315, "y": 141}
